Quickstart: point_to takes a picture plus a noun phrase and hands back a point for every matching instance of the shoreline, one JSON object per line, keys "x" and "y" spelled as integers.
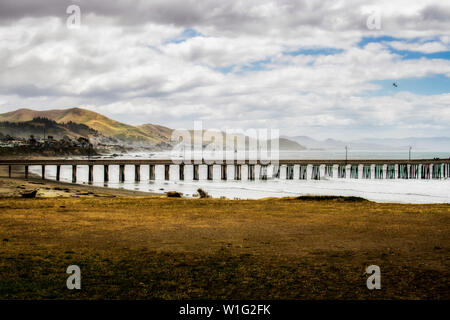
{"x": 14, "y": 186}
{"x": 420, "y": 193}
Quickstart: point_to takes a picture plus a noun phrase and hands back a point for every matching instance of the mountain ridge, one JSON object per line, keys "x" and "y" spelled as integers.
{"x": 102, "y": 124}
{"x": 141, "y": 134}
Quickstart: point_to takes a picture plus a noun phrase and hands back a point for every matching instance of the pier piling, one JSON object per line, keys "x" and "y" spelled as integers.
{"x": 151, "y": 172}
{"x": 121, "y": 173}
{"x": 137, "y": 173}
{"x": 74, "y": 173}
{"x": 91, "y": 174}
{"x": 106, "y": 173}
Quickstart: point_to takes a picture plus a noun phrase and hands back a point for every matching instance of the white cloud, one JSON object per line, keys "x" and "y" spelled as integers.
{"x": 122, "y": 63}
{"x": 426, "y": 47}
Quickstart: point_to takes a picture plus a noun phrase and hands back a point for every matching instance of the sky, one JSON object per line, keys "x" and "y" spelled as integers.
{"x": 323, "y": 69}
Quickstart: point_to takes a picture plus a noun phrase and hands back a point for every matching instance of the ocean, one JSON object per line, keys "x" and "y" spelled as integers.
{"x": 396, "y": 190}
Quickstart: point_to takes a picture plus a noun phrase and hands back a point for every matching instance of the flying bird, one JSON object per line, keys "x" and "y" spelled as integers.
{"x": 395, "y": 84}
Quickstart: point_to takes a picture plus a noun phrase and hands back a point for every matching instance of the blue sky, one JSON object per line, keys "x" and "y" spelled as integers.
{"x": 430, "y": 84}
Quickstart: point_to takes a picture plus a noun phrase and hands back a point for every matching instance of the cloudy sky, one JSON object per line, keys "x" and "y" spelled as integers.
{"x": 317, "y": 68}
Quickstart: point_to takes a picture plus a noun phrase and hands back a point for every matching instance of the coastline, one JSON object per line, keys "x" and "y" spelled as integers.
{"x": 12, "y": 187}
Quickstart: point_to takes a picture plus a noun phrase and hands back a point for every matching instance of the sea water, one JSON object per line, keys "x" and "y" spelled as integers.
{"x": 396, "y": 190}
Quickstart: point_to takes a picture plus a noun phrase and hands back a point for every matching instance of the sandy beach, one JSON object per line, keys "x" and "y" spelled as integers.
{"x": 17, "y": 184}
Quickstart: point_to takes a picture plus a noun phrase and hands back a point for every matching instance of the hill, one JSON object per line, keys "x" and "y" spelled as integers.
{"x": 96, "y": 121}
{"x": 155, "y": 130}
{"x": 39, "y": 127}
{"x": 289, "y": 145}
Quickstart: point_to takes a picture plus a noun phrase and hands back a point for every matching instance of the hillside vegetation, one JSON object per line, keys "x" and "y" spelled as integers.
{"x": 40, "y": 126}
{"x": 96, "y": 121}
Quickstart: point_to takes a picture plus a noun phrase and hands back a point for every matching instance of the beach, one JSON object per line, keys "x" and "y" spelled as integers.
{"x": 17, "y": 184}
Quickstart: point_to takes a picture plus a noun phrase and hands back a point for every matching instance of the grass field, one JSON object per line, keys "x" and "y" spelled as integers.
{"x": 160, "y": 248}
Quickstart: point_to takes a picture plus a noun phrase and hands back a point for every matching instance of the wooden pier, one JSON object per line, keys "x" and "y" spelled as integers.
{"x": 249, "y": 169}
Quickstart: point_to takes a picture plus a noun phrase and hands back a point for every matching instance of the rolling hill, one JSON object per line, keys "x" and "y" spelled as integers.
{"x": 155, "y": 130}
{"x": 39, "y": 127}
{"x": 104, "y": 125}
{"x": 146, "y": 133}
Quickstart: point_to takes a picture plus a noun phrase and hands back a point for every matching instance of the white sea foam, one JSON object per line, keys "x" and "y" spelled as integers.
{"x": 402, "y": 191}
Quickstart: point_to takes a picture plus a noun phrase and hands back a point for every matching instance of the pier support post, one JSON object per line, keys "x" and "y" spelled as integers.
{"x": 9, "y": 170}
{"x": 58, "y": 172}
{"x": 137, "y": 173}
{"x": 181, "y": 172}
{"x": 121, "y": 173}
{"x": 74, "y": 173}
{"x": 166, "y": 172}
{"x": 43, "y": 171}
{"x": 251, "y": 172}
{"x": 151, "y": 172}
{"x": 223, "y": 169}
{"x": 237, "y": 172}
{"x": 91, "y": 173}
{"x": 210, "y": 174}
{"x": 106, "y": 173}
{"x": 195, "y": 172}
{"x": 26, "y": 172}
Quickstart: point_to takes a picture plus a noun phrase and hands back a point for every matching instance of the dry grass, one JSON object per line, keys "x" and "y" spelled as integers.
{"x": 146, "y": 248}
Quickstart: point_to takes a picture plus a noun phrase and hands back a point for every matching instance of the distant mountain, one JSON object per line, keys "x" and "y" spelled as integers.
{"x": 240, "y": 141}
{"x": 289, "y": 145}
{"x": 425, "y": 144}
{"x": 96, "y": 121}
{"x": 311, "y": 143}
{"x": 430, "y": 144}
